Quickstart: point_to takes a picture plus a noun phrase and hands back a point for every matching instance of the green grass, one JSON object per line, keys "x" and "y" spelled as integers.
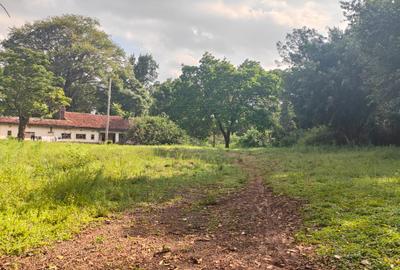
{"x": 49, "y": 191}
{"x": 353, "y": 201}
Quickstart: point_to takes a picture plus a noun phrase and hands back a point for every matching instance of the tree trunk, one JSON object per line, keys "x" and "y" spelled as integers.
{"x": 226, "y": 134}
{"x": 23, "y": 122}
{"x": 213, "y": 139}
{"x": 227, "y": 139}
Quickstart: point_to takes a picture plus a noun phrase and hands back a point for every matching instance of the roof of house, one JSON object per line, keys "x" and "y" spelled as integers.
{"x": 76, "y": 120}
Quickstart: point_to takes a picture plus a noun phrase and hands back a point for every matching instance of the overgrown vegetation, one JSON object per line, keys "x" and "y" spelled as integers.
{"x": 347, "y": 80}
{"x": 154, "y": 130}
{"x": 49, "y": 191}
{"x": 352, "y": 201}
{"x": 253, "y": 138}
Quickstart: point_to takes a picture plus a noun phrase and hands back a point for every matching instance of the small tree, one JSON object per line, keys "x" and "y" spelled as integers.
{"x": 27, "y": 86}
{"x": 150, "y": 130}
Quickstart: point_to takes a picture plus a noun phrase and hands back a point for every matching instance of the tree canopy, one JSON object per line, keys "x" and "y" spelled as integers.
{"x": 27, "y": 87}
{"x": 348, "y": 80}
{"x": 145, "y": 69}
{"x": 80, "y": 53}
{"x": 218, "y": 93}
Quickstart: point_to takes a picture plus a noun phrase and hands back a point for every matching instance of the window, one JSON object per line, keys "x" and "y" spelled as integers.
{"x": 66, "y": 136}
{"x": 9, "y": 133}
{"x": 81, "y": 136}
{"x": 92, "y": 137}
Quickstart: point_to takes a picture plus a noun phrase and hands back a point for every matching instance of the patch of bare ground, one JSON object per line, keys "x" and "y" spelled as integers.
{"x": 248, "y": 229}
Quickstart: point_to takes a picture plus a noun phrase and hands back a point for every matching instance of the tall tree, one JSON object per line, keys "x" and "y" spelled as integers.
{"x": 78, "y": 51}
{"x": 163, "y": 96}
{"x": 28, "y": 88}
{"x": 325, "y": 83}
{"x": 127, "y": 92}
{"x": 375, "y": 25}
{"x": 145, "y": 69}
{"x": 235, "y": 97}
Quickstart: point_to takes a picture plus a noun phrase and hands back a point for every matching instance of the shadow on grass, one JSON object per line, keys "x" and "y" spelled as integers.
{"x": 51, "y": 191}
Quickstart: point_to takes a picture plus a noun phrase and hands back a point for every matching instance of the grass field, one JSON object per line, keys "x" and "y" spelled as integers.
{"x": 353, "y": 195}
{"x": 49, "y": 191}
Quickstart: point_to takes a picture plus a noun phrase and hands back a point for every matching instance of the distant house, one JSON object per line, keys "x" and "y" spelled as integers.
{"x": 70, "y": 127}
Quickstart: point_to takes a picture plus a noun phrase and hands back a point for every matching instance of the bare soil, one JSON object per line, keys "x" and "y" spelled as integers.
{"x": 249, "y": 229}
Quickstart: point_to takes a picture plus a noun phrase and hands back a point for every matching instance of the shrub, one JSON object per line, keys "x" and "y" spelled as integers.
{"x": 318, "y": 136}
{"x": 289, "y": 139}
{"x": 253, "y": 138}
{"x": 149, "y": 130}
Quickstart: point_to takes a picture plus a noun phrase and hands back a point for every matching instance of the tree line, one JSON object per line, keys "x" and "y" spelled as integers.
{"x": 348, "y": 80}
{"x": 65, "y": 61}
{"x": 341, "y": 87}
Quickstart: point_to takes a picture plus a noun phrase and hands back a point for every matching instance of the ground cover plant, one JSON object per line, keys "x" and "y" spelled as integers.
{"x": 352, "y": 201}
{"x": 49, "y": 191}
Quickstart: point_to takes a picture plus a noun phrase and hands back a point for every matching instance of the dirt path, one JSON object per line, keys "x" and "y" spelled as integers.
{"x": 250, "y": 229}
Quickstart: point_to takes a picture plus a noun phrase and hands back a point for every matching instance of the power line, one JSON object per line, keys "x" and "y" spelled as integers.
{"x": 5, "y": 10}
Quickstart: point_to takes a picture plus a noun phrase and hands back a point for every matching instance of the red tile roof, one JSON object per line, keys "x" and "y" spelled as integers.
{"x": 76, "y": 120}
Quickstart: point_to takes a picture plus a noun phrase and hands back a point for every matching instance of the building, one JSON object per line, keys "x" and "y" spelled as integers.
{"x": 70, "y": 127}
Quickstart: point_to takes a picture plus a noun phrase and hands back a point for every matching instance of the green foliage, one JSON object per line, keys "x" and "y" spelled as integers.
{"x": 154, "y": 130}
{"x": 163, "y": 98}
{"x": 253, "y": 138}
{"x": 375, "y": 24}
{"x": 348, "y": 80}
{"x": 216, "y": 94}
{"x": 116, "y": 109}
{"x": 28, "y": 88}
{"x": 317, "y": 136}
{"x": 352, "y": 196}
{"x": 80, "y": 53}
{"x": 145, "y": 69}
{"x": 289, "y": 139}
{"x": 50, "y": 191}
{"x": 325, "y": 83}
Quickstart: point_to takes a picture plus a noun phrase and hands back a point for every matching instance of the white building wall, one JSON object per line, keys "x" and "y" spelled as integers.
{"x": 54, "y": 134}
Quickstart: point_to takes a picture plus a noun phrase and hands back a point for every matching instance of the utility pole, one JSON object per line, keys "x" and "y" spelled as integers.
{"x": 108, "y": 110}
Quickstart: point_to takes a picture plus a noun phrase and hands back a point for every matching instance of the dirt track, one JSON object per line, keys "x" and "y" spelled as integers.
{"x": 249, "y": 229}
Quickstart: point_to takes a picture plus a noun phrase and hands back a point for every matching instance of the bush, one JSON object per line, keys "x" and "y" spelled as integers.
{"x": 253, "y": 138}
{"x": 289, "y": 139}
{"x": 318, "y": 136}
{"x": 151, "y": 130}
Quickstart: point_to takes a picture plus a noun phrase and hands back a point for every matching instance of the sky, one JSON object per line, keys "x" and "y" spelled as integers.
{"x": 178, "y": 32}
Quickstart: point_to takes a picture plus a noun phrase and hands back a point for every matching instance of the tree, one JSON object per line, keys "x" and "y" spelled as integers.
{"x": 145, "y": 69}
{"x": 235, "y": 97}
{"x": 375, "y": 25}
{"x": 163, "y": 97}
{"x": 77, "y": 51}
{"x": 127, "y": 92}
{"x": 325, "y": 83}
{"x": 28, "y": 88}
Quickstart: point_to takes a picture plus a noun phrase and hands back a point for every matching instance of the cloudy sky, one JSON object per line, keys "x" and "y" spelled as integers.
{"x": 180, "y": 31}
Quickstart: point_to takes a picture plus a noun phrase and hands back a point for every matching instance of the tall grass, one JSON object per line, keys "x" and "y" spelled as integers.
{"x": 353, "y": 201}
{"x": 49, "y": 191}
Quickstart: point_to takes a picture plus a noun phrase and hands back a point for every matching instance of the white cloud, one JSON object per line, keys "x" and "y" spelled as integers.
{"x": 180, "y": 31}
{"x": 231, "y": 11}
{"x": 311, "y": 14}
